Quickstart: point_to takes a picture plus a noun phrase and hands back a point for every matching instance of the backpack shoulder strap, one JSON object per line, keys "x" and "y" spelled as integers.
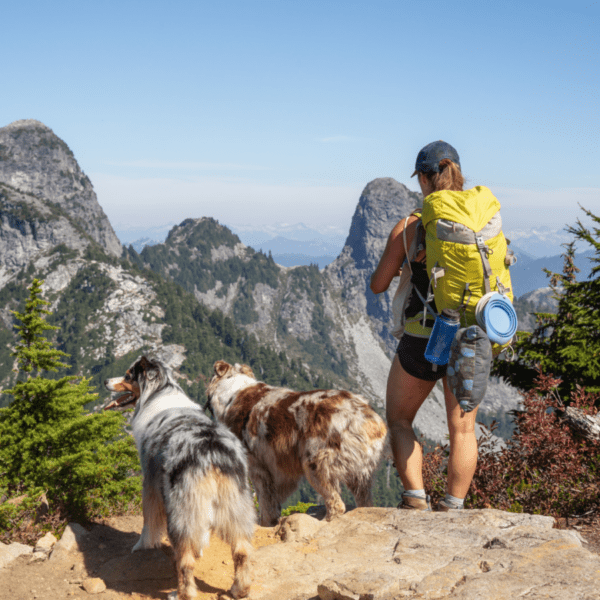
{"x": 406, "y": 253}
{"x": 417, "y": 244}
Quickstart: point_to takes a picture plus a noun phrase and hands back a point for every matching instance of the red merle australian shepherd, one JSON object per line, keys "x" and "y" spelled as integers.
{"x": 195, "y": 474}
{"x": 329, "y": 436}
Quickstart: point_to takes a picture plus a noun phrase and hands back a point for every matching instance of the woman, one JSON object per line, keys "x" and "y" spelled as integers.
{"x": 412, "y": 377}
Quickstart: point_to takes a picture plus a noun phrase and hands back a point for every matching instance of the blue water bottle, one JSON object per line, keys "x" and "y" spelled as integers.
{"x": 444, "y": 329}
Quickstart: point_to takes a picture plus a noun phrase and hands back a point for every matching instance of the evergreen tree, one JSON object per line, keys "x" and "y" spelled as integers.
{"x": 565, "y": 344}
{"x": 84, "y": 462}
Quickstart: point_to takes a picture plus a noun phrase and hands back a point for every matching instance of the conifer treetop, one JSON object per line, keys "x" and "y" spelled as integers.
{"x": 34, "y": 351}
{"x": 566, "y": 344}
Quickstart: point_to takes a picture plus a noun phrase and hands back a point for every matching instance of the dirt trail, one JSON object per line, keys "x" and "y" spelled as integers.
{"x": 105, "y": 552}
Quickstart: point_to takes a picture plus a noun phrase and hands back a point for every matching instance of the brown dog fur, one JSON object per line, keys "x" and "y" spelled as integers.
{"x": 328, "y": 436}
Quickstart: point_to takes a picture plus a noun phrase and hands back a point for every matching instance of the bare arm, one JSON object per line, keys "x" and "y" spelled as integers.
{"x": 393, "y": 256}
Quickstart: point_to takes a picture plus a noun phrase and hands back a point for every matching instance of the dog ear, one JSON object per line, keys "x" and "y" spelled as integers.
{"x": 221, "y": 368}
{"x": 150, "y": 368}
{"x": 246, "y": 370}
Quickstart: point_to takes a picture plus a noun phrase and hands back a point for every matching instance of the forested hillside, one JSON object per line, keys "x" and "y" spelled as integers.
{"x": 100, "y": 346}
{"x": 282, "y": 307}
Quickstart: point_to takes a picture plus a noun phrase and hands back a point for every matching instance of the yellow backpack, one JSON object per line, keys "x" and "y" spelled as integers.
{"x": 467, "y": 257}
{"x": 467, "y": 253}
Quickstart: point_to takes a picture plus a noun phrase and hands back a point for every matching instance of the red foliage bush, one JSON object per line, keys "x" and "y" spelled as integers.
{"x": 544, "y": 468}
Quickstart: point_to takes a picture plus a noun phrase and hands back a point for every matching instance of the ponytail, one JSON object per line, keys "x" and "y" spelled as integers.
{"x": 449, "y": 177}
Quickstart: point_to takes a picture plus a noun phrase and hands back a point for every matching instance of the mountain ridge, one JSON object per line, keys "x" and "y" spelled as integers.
{"x": 203, "y": 295}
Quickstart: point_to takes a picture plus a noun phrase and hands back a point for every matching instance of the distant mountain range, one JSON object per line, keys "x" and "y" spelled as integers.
{"x": 305, "y": 246}
{"x": 540, "y": 241}
{"x": 528, "y": 274}
{"x": 138, "y": 237}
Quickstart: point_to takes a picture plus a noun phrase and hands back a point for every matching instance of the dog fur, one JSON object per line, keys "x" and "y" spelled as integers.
{"x": 329, "y": 436}
{"x": 195, "y": 474}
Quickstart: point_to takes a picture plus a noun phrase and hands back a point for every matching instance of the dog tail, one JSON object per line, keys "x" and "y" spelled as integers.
{"x": 210, "y": 502}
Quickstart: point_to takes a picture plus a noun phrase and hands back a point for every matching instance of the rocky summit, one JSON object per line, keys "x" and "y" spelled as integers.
{"x": 366, "y": 554}
{"x": 36, "y": 161}
{"x": 381, "y": 205}
{"x": 387, "y": 554}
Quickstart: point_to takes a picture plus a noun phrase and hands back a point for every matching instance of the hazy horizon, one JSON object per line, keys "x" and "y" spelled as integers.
{"x": 260, "y": 112}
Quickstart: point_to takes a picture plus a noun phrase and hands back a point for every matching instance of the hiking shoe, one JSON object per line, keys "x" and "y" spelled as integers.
{"x": 443, "y": 506}
{"x": 411, "y": 503}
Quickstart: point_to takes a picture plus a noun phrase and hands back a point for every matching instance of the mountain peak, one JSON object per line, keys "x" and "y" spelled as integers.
{"x": 34, "y": 160}
{"x": 27, "y": 124}
{"x": 204, "y": 232}
{"x": 383, "y": 202}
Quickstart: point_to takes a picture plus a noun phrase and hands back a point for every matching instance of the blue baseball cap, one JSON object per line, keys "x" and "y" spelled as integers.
{"x": 428, "y": 160}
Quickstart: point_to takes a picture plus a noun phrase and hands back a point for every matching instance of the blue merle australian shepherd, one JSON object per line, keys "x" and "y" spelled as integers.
{"x": 195, "y": 474}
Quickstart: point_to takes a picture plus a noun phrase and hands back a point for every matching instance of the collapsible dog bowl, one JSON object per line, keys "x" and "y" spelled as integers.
{"x": 495, "y": 313}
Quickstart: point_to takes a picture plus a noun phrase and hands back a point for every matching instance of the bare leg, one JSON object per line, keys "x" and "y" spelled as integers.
{"x": 405, "y": 395}
{"x": 463, "y": 445}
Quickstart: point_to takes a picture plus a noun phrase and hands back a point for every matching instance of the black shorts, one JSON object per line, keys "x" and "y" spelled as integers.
{"x": 411, "y": 353}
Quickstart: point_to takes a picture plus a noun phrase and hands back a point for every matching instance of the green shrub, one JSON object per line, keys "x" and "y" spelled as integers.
{"x": 85, "y": 463}
{"x": 301, "y": 507}
{"x": 567, "y": 343}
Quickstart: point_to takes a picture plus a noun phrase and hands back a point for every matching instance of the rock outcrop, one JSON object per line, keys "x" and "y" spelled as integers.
{"x": 367, "y": 318}
{"x": 36, "y": 161}
{"x": 368, "y": 553}
{"x": 31, "y": 227}
{"x": 381, "y": 205}
{"x": 386, "y": 554}
{"x": 10, "y": 552}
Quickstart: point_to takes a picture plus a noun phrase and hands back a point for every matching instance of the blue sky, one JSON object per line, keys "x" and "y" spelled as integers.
{"x": 269, "y": 111}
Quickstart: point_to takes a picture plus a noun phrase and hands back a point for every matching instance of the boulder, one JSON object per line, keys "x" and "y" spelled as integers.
{"x": 69, "y": 542}
{"x": 94, "y": 585}
{"x": 9, "y": 552}
{"x": 45, "y": 544}
{"x": 297, "y": 527}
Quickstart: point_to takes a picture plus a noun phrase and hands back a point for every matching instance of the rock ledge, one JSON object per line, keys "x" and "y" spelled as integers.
{"x": 382, "y": 553}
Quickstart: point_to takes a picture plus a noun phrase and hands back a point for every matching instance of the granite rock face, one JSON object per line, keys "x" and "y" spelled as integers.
{"x": 30, "y": 227}
{"x": 385, "y": 554}
{"x": 36, "y": 161}
{"x": 381, "y": 205}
